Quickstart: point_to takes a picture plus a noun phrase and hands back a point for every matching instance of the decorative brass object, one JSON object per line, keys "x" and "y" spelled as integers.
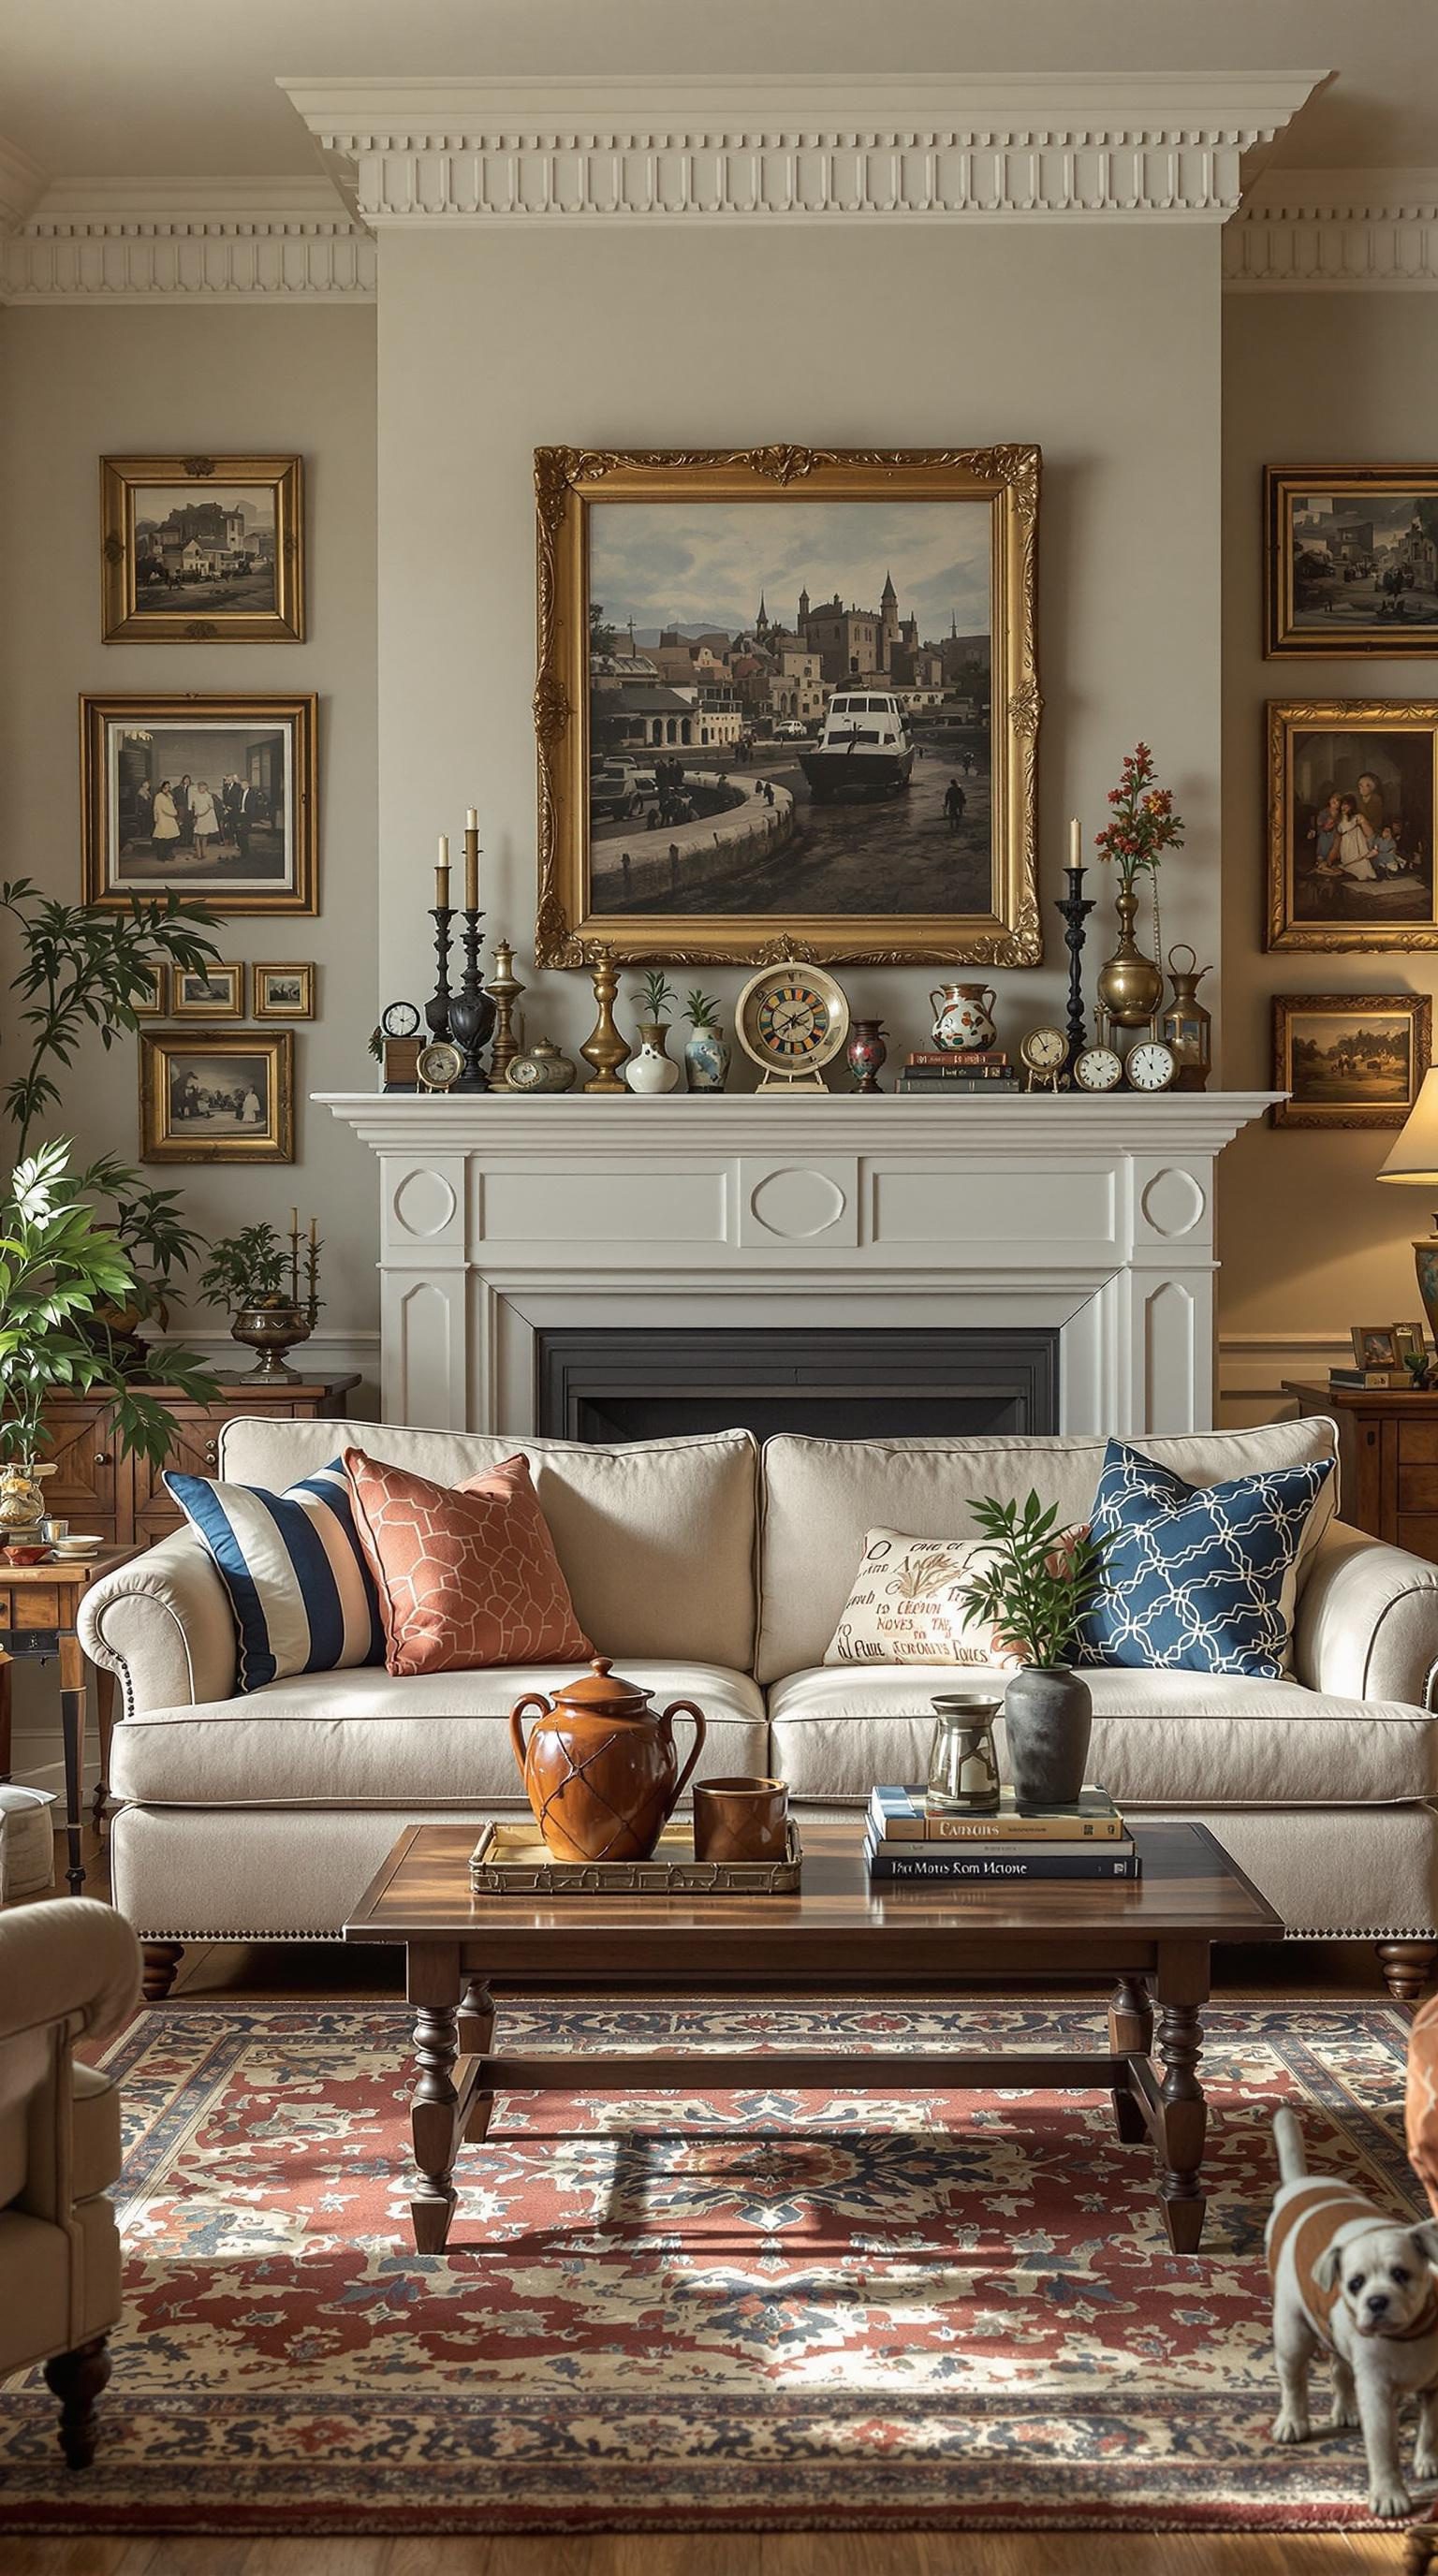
{"x": 1130, "y": 986}
{"x": 506, "y": 988}
{"x": 1187, "y": 1026}
{"x": 272, "y": 1326}
{"x": 604, "y": 1048}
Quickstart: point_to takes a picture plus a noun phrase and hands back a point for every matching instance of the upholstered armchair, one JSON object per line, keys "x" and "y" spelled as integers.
{"x": 68, "y": 1970}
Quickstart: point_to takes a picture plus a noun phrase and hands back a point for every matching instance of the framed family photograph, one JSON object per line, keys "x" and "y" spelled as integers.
{"x": 215, "y": 795}
{"x": 283, "y": 992}
{"x": 216, "y": 994}
{"x": 217, "y": 1096}
{"x": 1351, "y": 806}
{"x": 1350, "y": 560}
{"x": 1349, "y": 1059}
{"x": 202, "y": 549}
{"x": 787, "y": 704}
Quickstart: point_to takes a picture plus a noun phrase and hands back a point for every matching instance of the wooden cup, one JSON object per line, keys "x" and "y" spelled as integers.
{"x": 741, "y": 1819}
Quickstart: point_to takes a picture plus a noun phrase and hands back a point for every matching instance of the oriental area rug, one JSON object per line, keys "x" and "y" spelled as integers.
{"x": 752, "y": 2310}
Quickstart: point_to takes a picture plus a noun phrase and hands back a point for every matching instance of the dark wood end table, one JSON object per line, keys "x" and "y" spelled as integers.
{"x": 39, "y": 1605}
{"x": 839, "y": 1935}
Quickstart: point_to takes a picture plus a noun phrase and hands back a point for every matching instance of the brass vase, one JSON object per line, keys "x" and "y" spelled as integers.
{"x": 271, "y": 1326}
{"x": 1130, "y": 985}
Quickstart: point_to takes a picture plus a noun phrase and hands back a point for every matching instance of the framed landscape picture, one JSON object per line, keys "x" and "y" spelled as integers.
{"x": 787, "y": 705}
{"x": 1349, "y": 1059}
{"x": 1350, "y": 560}
{"x": 216, "y": 994}
{"x": 283, "y": 992}
{"x": 217, "y": 1096}
{"x": 1352, "y": 796}
{"x": 202, "y": 549}
{"x": 215, "y": 795}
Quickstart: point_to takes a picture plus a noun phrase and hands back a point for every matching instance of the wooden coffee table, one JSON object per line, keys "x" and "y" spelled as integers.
{"x": 839, "y": 1936}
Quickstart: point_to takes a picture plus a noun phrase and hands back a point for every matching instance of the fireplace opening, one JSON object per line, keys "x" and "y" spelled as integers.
{"x": 653, "y": 1382}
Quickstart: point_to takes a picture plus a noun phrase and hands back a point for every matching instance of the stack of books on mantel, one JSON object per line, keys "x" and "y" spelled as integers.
{"x": 902, "y": 1840}
{"x": 961, "y": 1069}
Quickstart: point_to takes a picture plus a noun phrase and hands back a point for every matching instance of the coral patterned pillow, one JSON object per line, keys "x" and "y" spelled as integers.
{"x": 466, "y": 1574}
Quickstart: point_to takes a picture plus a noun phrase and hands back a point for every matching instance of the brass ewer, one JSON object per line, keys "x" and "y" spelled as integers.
{"x": 1130, "y": 986}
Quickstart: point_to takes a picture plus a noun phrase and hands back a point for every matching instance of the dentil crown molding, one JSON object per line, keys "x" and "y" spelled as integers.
{"x": 424, "y": 152}
{"x": 1324, "y": 229}
{"x": 155, "y": 241}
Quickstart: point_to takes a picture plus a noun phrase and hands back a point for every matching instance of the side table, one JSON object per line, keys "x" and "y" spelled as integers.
{"x": 1387, "y": 1459}
{"x": 39, "y": 1605}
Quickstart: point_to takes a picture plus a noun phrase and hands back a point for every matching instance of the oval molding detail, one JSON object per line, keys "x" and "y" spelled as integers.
{"x": 796, "y": 1204}
{"x": 1173, "y": 1203}
{"x": 424, "y": 1204}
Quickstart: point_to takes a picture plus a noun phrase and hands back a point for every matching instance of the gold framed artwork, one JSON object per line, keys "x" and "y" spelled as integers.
{"x": 1350, "y": 560}
{"x": 202, "y": 549}
{"x": 214, "y": 795}
{"x": 217, "y": 1096}
{"x": 153, "y": 1003}
{"x": 1349, "y": 1059}
{"x": 283, "y": 992}
{"x": 787, "y": 705}
{"x": 216, "y": 993}
{"x": 1352, "y": 798}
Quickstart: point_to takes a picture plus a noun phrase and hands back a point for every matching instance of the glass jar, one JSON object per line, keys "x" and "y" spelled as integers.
{"x": 963, "y": 1766}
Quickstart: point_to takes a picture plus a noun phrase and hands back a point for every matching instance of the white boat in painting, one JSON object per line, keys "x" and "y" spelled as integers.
{"x": 865, "y": 745}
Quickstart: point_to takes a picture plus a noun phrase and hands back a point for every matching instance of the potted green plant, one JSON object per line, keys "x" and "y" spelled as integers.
{"x": 652, "y": 1068}
{"x": 1034, "y": 1583}
{"x": 706, "y": 1052}
{"x": 254, "y": 1275}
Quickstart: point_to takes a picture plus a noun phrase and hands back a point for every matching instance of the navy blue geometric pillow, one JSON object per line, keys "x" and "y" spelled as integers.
{"x": 1197, "y": 1578}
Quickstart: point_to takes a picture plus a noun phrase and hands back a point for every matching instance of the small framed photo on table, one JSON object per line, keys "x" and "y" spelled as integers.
{"x": 1375, "y": 1346}
{"x": 217, "y": 1096}
{"x": 283, "y": 992}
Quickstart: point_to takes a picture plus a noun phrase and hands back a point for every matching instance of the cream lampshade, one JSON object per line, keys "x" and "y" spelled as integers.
{"x": 1415, "y": 1158}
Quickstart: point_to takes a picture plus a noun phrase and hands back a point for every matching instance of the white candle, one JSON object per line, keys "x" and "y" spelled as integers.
{"x": 471, "y": 818}
{"x": 444, "y": 849}
{"x": 1075, "y": 857}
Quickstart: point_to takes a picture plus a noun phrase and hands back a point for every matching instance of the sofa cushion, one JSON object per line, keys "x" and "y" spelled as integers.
{"x": 820, "y": 1496}
{"x": 299, "y": 1589}
{"x": 907, "y": 1605}
{"x": 365, "y": 1738}
{"x": 655, "y": 1539}
{"x": 1160, "y": 1739}
{"x": 466, "y": 1574}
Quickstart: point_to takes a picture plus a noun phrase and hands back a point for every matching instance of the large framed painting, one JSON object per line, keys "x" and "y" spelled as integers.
{"x": 213, "y": 795}
{"x": 202, "y": 550}
{"x": 787, "y": 705}
{"x": 1349, "y": 1059}
{"x": 1352, "y": 796}
{"x": 217, "y": 1096}
{"x": 1350, "y": 560}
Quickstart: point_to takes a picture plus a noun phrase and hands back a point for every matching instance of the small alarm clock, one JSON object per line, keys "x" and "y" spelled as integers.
{"x": 438, "y": 1066}
{"x": 1045, "y": 1053}
{"x": 1098, "y": 1069}
{"x": 792, "y": 1021}
{"x": 1150, "y": 1066}
{"x": 399, "y": 1020}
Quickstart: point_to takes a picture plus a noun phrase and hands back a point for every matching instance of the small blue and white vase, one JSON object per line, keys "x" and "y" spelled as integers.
{"x": 706, "y": 1060}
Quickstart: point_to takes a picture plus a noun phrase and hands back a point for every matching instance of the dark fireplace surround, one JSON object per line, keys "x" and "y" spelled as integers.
{"x": 653, "y": 1382}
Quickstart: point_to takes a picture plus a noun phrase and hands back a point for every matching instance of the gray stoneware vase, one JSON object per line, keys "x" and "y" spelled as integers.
{"x": 1048, "y": 1718}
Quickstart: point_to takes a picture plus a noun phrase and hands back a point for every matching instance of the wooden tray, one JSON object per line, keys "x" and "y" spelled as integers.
{"x": 510, "y": 1859}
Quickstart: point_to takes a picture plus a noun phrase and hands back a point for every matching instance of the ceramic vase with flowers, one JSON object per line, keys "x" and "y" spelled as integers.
{"x": 706, "y": 1049}
{"x": 1140, "y": 828}
{"x": 1033, "y": 1583}
{"x": 652, "y": 1068}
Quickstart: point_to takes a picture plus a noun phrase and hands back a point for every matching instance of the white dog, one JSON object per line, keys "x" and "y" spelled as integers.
{"x": 1345, "y": 2277}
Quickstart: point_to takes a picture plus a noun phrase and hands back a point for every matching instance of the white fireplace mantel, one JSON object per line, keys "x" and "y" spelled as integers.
{"x": 501, "y": 1217}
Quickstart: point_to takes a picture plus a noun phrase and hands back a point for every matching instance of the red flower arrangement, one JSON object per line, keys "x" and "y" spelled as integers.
{"x": 1143, "y": 824}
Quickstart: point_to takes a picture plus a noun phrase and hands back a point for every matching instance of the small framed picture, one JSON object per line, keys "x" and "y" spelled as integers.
{"x": 283, "y": 992}
{"x": 1349, "y": 1059}
{"x": 1375, "y": 1346}
{"x": 1410, "y": 1341}
{"x": 215, "y": 795}
{"x": 217, "y": 1096}
{"x": 202, "y": 550}
{"x": 1350, "y": 560}
{"x": 154, "y": 1002}
{"x": 216, "y": 994}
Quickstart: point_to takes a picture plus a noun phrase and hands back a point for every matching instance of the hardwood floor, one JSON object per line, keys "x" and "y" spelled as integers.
{"x": 284, "y": 1971}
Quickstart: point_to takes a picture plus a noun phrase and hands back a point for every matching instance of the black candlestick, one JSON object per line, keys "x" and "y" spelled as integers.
{"x": 471, "y": 1010}
{"x": 1075, "y": 907}
{"x": 437, "y": 1011}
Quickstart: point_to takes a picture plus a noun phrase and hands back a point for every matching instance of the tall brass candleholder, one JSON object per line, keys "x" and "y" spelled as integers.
{"x": 604, "y": 1048}
{"x": 471, "y": 1010}
{"x": 436, "y": 1011}
{"x": 506, "y": 988}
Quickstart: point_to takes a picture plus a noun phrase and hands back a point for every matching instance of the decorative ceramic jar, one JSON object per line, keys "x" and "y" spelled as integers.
{"x": 601, "y": 1770}
{"x": 1130, "y": 986}
{"x": 22, "y": 1498}
{"x": 1048, "y": 1718}
{"x": 963, "y": 1766}
{"x": 543, "y": 1068}
{"x": 706, "y": 1058}
{"x": 964, "y": 1015}
{"x": 866, "y": 1053}
{"x": 652, "y": 1069}
{"x": 271, "y": 1326}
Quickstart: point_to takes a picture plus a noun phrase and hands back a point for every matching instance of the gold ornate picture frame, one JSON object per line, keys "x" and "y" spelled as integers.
{"x": 202, "y": 550}
{"x": 1349, "y": 1059}
{"x": 724, "y": 778}
{"x": 1350, "y": 561}
{"x": 1352, "y": 802}
{"x": 217, "y": 1096}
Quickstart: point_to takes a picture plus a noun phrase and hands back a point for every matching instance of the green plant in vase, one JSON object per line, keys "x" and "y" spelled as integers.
{"x": 1142, "y": 825}
{"x": 706, "y": 1051}
{"x": 1033, "y": 1583}
{"x": 254, "y": 1275}
{"x": 652, "y": 1068}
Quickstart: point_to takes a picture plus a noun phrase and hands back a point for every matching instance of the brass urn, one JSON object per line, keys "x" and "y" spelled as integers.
{"x": 1130, "y": 986}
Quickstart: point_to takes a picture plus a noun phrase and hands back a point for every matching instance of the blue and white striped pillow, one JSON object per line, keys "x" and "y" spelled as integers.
{"x": 291, "y": 1563}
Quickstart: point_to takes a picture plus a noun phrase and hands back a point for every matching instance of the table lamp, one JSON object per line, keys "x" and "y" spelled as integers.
{"x": 1415, "y": 1158}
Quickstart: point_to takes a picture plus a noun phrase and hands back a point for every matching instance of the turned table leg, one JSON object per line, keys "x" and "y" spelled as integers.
{"x": 105, "y": 1721}
{"x": 162, "y": 1958}
{"x": 476, "y": 2039}
{"x": 72, "y": 1728}
{"x": 1130, "y": 2034}
{"x": 1183, "y": 2114}
{"x": 438, "y": 2106}
{"x": 78, "y": 2378}
{"x": 1406, "y": 1966}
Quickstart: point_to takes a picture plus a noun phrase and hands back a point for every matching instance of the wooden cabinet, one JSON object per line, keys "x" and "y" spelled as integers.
{"x": 123, "y": 1500}
{"x": 1388, "y": 1460}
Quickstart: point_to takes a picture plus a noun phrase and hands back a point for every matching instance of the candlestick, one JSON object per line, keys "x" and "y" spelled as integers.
{"x": 444, "y": 849}
{"x": 436, "y": 1010}
{"x": 441, "y": 888}
{"x": 1075, "y": 907}
{"x": 1075, "y": 858}
{"x": 471, "y": 818}
{"x": 471, "y": 864}
{"x": 471, "y": 1012}
{"x": 604, "y": 1048}
{"x": 506, "y": 988}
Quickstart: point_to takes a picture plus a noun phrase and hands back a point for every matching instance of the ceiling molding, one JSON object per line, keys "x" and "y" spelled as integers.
{"x": 157, "y": 241}
{"x": 1326, "y": 231}
{"x": 421, "y": 152}
{"x": 22, "y": 181}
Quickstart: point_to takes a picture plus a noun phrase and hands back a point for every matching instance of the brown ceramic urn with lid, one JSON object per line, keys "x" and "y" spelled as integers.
{"x": 601, "y": 1770}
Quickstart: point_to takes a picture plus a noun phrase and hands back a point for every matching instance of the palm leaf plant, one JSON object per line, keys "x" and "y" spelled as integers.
{"x": 1035, "y": 1581}
{"x": 657, "y": 999}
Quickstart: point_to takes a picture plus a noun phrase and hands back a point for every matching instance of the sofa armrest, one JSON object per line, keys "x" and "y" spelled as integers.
{"x": 164, "y": 1624}
{"x": 1367, "y": 1624}
{"x": 71, "y": 1961}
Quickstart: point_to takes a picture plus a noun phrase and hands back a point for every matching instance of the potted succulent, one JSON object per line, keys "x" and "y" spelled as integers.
{"x": 652, "y": 1068}
{"x": 1034, "y": 1583}
{"x": 706, "y": 1052}
{"x": 254, "y": 1275}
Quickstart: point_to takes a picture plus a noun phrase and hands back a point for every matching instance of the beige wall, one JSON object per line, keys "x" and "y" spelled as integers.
{"x": 1311, "y": 1242}
{"x": 489, "y": 347}
{"x": 73, "y": 386}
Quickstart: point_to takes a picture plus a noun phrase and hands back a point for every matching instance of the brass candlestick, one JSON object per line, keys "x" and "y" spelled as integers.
{"x": 505, "y": 987}
{"x": 604, "y": 1048}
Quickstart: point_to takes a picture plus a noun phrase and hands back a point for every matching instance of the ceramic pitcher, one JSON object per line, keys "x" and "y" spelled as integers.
{"x": 601, "y": 1770}
{"x": 963, "y": 1015}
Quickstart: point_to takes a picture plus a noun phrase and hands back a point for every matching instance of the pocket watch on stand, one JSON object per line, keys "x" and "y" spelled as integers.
{"x": 792, "y": 1021}
{"x": 1044, "y": 1053}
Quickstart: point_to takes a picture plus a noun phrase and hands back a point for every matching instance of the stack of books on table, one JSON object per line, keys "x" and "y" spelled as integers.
{"x": 1090, "y": 1840}
{"x": 961, "y": 1069}
{"x": 1374, "y": 1377}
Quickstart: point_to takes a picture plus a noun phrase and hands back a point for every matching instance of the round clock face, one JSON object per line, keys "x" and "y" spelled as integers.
{"x": 439, "y": 1065}
{"x": 1044, "y": 1050}
{"x": 792, "y": 1019}
{"x": 1150, "y": 1067}
{"x": 524, "y": 1073}
{"x": 1098, "y": 1069}
{"x": 399, "y": 1020}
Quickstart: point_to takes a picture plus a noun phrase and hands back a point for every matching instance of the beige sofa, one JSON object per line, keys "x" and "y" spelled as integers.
{"x": 710, "y": 1569}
